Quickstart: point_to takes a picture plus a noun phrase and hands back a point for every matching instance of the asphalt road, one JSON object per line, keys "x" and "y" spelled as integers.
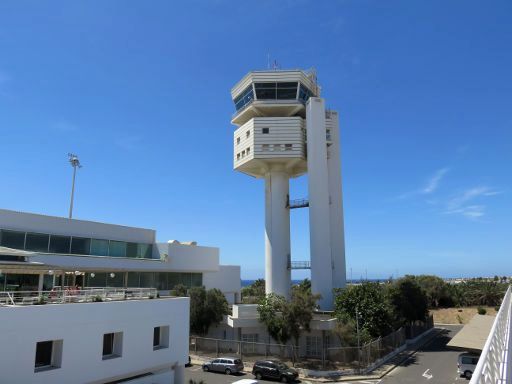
{"x": 433, "y": 363}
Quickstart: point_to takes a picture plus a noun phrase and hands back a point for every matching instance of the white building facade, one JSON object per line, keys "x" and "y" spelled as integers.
{"x": 284, "y": 131}
{"x": 138, "y": 341}
{"x": 39, "y": 252}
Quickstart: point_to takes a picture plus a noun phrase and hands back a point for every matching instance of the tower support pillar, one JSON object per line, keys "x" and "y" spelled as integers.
{"x": 277, "y": 232}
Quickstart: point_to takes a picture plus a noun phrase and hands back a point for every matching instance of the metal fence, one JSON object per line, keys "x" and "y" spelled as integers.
{"x": 495, "y": 363}
{"x": 361, "y": 359}
{"x": 72, "y": 295}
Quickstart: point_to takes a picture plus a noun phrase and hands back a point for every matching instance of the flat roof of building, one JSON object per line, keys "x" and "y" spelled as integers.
{"x": 472, "y": 336}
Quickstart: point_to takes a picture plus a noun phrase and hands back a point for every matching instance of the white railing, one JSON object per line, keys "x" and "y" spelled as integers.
{"x": 495, "y": 363}
{"x": 72, "y": 295}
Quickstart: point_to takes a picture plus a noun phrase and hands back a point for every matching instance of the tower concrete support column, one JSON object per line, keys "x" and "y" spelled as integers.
{"x": 336, "y": 209}
{"x": 319, "y": 215}
{"x": 277, "y": 232}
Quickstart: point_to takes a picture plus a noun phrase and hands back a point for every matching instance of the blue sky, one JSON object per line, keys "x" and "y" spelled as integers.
{"x": 140, "y": 91}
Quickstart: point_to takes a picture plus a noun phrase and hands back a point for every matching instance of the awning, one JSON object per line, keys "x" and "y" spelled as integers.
{"x": 472, "y": 336}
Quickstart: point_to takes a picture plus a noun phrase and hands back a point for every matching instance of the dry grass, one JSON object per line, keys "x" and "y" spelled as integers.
{"x": 458, "y": 315}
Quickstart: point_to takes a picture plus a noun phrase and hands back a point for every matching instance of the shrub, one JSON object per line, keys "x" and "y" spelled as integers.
{"x": 482, "y": 311}
{"x": 97, "y": 299}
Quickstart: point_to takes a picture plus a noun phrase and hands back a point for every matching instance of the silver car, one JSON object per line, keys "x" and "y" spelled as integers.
{"x": 227, "y": 365}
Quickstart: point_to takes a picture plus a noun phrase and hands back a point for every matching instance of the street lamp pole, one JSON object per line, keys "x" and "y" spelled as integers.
{"x": 75, "y": 163}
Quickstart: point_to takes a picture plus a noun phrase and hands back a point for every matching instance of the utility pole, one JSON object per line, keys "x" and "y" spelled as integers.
{"x": 358, "y": 341}
{"x": 75, "y": 163}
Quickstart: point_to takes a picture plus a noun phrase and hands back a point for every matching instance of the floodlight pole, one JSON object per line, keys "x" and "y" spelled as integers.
{"x": 75, "y": 163}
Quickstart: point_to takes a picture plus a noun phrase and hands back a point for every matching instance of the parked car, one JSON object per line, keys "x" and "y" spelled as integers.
{"x": 227, "y": 365}
{"x": 466, "y": 364}
{"x": 245, "y": 381}
{"x": 274, "y": 369}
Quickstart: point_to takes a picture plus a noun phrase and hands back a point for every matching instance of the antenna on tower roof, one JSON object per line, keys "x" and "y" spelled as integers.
{"x": 268, "y": 60}
{"x": 275, "y": 65}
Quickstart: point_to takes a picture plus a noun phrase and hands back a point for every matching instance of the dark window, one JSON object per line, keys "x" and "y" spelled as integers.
{"x": 108, "y": 344}
{"x": 37, "y": 242}
{"x": 266, "y": 91}
{"x": 304, "y": 93}
{"x": 244, "y": 98}
{"x": 117, "y": 248}
{"x": 59, "y": 244}
{"x": 265, "y": 130}
{"x": 12, "y": 239}
{"x": 131, "y": 249}
{"x": 286, "y": 91}
{"x": 156, "y": 337}
{"x": 80, "y": 246}
{"x": 44, "y": 354}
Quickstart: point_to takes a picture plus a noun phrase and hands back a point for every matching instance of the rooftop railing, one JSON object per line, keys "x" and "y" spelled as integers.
{"x": 70, "y": 295}
{"x": 495, "y": 363}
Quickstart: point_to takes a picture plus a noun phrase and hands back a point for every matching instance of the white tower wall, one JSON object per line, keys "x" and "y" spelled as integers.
{"x": 337, "y": 231}
{"x": 319, "y": 208}
{"x": 277, "y": 232}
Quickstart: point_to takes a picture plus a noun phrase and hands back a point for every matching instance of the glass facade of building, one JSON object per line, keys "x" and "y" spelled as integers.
{"x": 273, "y": 91}
{"x": 43, "y": 242}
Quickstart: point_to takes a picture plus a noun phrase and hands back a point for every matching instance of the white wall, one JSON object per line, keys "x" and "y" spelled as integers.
{"x": 31, "y": 222}
{"x": 227, "y": 279}
{"x": 190, "y": 258}
{"x": 81, "y": 327}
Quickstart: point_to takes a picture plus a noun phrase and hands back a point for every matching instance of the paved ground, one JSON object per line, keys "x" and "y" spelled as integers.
{"x": 433, "y": 363}
{"x": 195, "y": 373}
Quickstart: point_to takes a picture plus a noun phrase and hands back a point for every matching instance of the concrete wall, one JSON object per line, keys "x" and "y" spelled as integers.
{"x": 190, "y": 258}
{"x": 227, "y": 279}
{"x": 81, "y": 327}
{"x": 31, "y": 222}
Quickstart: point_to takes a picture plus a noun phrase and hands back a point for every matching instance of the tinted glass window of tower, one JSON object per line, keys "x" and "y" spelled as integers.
{"x": 244, "y": 98}
{"x": 276, "y": 91}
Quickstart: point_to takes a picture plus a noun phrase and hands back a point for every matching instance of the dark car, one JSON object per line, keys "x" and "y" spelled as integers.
{"x": 273, "y": 369}
{"x": 227, "y": 365}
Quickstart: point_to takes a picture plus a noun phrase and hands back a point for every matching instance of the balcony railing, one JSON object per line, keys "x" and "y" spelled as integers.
{"x": 299, "y": 265}
{"x": 495, "y": 363}
{"x": 71, "y": 295}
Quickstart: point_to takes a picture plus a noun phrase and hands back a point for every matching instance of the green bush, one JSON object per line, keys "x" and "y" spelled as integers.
{"x": 482, "y": 311}
{"x": 97, "y": 299}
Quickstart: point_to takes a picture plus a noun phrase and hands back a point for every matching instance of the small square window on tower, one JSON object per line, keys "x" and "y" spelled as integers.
{"x": 248, "y": 150}
{"x": 237, "y": 140}
{"x": 238, "y": 156}
{"x": 248, "y": 133}
{"x": 265, "y": 130}
{"x": 112, "y": 345}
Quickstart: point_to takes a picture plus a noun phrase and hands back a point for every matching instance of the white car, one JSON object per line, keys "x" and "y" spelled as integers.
{"x": 466, "y": 364}
{"x": 245, "y": 381}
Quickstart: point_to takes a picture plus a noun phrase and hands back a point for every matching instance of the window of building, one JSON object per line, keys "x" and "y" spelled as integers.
{"x": 237, "y": 140}
{"x": 276, "y": 91}
{"x": 304, "y": 93}
{"x": 37, "y": 242}
{"x": 112, "y": 345}
{"x": 328, "y": 135}
{"x": 244, "y": 98}
{"x": 265, "y": 130}
{"x": 60, "y": 244}
{"x": 247, "y": 134}
{"x": 48, "y": 355}
{"x": 248, "y": 150}
{"x": 243, "y": 153}
{"x": 238, "y": 156}
{"x": 80, "y": 246}
{"x": 12, "y": 239}
{"x": 265, "y": 147}
{"x": 131, "y": 250}
{"x": 99, "y": 247}
{"x": 117, "y": 248}
{"x": 277, "y": 147}
{"x": 313, "y": 346}
{"x": 161, "y": 337}
{"x": 144, "y": 251}
{"x": 288, "y": 147}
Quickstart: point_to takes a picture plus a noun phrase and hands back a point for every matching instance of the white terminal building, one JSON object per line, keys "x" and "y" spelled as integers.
{"x": 99, "y": 324}
{"x": 284, "y": 131}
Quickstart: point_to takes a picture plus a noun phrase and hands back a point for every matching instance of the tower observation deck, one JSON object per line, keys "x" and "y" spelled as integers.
{"x": 283, "y": 131}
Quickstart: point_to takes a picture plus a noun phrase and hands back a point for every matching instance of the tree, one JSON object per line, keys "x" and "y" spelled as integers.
{"x": 179, "y": 290}
{"x": 271, "y": 310}
{"x": 304, "y": 286}
{"x": 207, "y": 308}
{"x": 254, "y": 292}
{"x": 408, "y": 300}
{"x": 436, "y": 290}
{"x": 369, "y": 301}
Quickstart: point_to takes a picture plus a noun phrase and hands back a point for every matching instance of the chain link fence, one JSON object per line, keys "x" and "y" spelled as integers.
{"x": 333, "y": 357}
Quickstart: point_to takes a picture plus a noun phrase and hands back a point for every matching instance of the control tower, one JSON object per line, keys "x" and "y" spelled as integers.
{"x": 284, "y": 132}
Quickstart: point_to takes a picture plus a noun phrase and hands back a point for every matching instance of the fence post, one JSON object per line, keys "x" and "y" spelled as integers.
{"x": 217, "y": 348}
